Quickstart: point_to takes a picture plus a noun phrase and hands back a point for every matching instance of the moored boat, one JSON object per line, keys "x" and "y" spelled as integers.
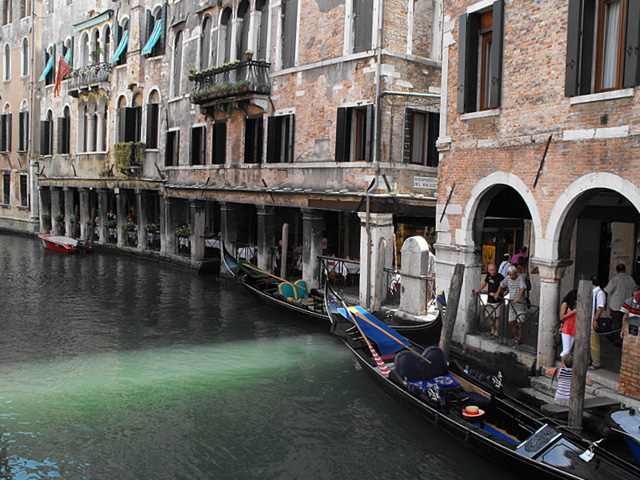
{"x": 498, "y": 428}
{"x": 64, "y": 244}
{"x": 298, "y": 298}
{"x": 626, "y": 422}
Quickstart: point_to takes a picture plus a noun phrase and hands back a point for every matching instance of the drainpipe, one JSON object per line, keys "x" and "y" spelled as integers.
{"x": 33, "y": 164}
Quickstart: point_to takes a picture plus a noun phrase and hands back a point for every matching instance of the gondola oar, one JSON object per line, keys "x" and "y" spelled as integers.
{"x": 384, "y": 370}
{"x": 262, "y": 271}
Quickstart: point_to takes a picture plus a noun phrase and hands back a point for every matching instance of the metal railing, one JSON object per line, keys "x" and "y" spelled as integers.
{"x": 339, "y": 271}
{"x": 394, "y": 283}
{"x": 487, "y": 313}
{"x": 83, "y": 77}
{"x": 234, "y": 80}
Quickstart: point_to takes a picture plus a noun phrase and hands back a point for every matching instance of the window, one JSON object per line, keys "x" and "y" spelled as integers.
{"x": 219, "y": 136}
{"x": 421, "y": 133}
{"x": 24, "y": 58}
{"x": 6, "y": 188}
{"x": 280, "y": 139}
{"x": 6, "y": 12}
{"x": 289, "y": 20}
{"x": 224, "y": 37}
{"x": 23, "y": 131}
{"x": 172, "y": 152}
{"x": 67, "y": 51}
{"x": 24, "y": 193}
{"x": 6, "y": 67}
{"x": 155, "y": 34}
{"x": 5, "y": 132}
{"x": 177, "y": 65}
{"x": 205, "y": 44}
{"x": 46, "y": 135}
{"x": 362, "y": 25}
{"x": 198, "y": 145}
{"x": 602, "y": 46}
{"x": 49, "y": 72}
{"x": 122, "y": 40}
{"x": 253, "y": 138}
{"x": 64, "y": 132}
{"x": 262, "y": 25}
{"x": 354, "y": 134}
{"x": 480, "y": 59}
{"x": 242, "y": 45}
{"x": 130, "y": 124}
{"x": 106, "y": 46}
{"x": 25, "y": 8}
{"x": 153, "y": 121}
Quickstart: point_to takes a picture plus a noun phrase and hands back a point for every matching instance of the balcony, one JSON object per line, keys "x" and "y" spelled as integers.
{"x": 89, "y": 79}
{"x": 236, "y": 82}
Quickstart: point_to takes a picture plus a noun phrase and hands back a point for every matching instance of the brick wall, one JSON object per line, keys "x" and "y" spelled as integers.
{"x": 629, "y": 383}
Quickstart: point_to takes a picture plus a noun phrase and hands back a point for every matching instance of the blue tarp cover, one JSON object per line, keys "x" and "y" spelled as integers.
{"x": 388, "y": 340}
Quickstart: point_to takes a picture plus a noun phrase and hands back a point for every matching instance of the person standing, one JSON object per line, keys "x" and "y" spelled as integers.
{"x": 504, "y": 265}
{"x": 619, "y": 288}
{"x": 564, "y": 373}
{"x": 568, "y": 321}
{"x": 630, "y": 309}
{"x": 521, "y": 254}
{"x": 598, "y": 302}
{"x": 492, "y": 308}
{"x": 517, "y": 288}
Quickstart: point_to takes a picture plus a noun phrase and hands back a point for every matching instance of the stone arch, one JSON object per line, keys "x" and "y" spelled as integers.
{"x": 556, "y": 242}
{"x": 471, "y": 217}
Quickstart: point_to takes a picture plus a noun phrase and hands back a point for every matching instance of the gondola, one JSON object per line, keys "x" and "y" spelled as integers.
{"x": 626, "y": 422}
{"x": 298, "y": 299}
{"x": 467, "y": 407}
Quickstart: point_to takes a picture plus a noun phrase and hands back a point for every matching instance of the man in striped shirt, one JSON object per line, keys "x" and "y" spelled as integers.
{"x": 631, "y": 309}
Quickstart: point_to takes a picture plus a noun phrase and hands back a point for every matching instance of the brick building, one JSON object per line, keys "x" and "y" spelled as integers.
{"x": 539, "y": 143}
{"x": 166, "y": 124}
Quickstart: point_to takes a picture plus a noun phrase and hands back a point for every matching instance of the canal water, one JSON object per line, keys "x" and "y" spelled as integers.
{"x": 115, "y": 367}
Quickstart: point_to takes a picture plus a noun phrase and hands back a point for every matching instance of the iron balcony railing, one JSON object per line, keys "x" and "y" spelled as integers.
{"x": 239, "y": 79}
{"x": 84, "y": 77}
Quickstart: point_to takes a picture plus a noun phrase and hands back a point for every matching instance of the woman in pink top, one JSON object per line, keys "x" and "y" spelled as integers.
{"x": 568, "y": 320}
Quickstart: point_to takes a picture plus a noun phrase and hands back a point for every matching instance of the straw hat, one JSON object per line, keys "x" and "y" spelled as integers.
{"x": 472, "y": 411}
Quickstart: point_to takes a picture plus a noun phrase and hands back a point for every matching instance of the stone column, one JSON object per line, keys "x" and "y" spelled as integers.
{"x": 84, "y": 214}
{"x": 56, "y": 209}
{"x": 229, "y": 226}
{"x": 44, "y": 210}
{"x": 376, "y": 254}
{"x": 141, "y": 207}
{"x": 312, "y": 227}
{"x": 100, "y": 132}
{"x": 102, "y": 215}
{"x": 197, "y": 230}
{"x": 415, "y": 263}
{"x": 68, "y": 211}
{"x": 167, "y": 237}
{"x": 121, "y": 217}
{"x": 551, "y": 273}
{"x": 266, "y": 237}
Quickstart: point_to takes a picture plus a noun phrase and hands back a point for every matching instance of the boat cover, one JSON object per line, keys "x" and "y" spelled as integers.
{"x": 388, "y": 340}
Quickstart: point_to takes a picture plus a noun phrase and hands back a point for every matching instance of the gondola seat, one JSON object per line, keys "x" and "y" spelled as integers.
{"x": 302, "y": 288}
{"x": 288, "y": 291}
{"x": 411, "y": 367}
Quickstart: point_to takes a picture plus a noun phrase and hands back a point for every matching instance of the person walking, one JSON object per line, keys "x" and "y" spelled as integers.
{"x": 502, "y": 270}
{"x": 619, "y": 288}
{"x": 492, "y": 308}
{"x": 598, "y": 302}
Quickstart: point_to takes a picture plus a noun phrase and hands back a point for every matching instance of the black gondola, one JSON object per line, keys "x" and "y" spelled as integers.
{"x": 298, "y": 299}
{"x": 472, "y": 410}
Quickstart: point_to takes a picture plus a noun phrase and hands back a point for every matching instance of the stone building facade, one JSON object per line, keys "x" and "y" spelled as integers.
{"x": 181, "y": 121}
{"x": 539, "y": 144}
{"x": 18, "y": 97}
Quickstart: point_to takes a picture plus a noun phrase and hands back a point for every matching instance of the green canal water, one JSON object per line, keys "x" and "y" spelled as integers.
{"x": 113, "y": 367}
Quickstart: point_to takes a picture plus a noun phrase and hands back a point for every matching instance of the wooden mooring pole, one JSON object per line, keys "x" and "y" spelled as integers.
{"x": 581, "y": 350}
{"x": 453, "y": 300}
{"x": 283, "y": 251}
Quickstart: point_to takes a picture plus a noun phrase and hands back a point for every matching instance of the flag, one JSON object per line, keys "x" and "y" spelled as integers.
{"x": 63, "y": 69}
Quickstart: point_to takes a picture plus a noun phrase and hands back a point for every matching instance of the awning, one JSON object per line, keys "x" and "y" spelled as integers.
{"x": 153, "y": 39}
{"x": 121, "y": 46}
{"x": 47, "y": 69}
{"x": 67, "y": 57}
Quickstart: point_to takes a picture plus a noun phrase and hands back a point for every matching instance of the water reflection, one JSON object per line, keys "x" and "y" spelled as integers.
{"x": 117, "y": 367}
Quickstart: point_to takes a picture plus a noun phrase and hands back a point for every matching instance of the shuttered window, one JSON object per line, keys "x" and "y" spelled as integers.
{"x": 603, "y": 42}
{"x": 172, "y": 148}
{"x": 198, "y": 145}
{"x": 362, "y": 25}
{"x": 354, "y": 134}
{"x": 280, "y": 139}
{"x": 24, "y": 193}
{"x": 480, "y": 58}
{"x": 5, "y": 132}
{"x": 46, "y": 137}
{"x": 421, "y": 133}
{"x": 130, "y": 124}
{"x": 253, "y": 139}
{"x": 23, "y": 131}
{"x": 289, "y": 20}
{"x": 219, "y": 138}
{"x": 6, "y": 188}
{"x": 64, "y": 132}
{"x": 153, "y": 121}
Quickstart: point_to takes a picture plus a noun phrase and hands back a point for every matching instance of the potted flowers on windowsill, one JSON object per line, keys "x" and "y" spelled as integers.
{"x": 249, "y": 54}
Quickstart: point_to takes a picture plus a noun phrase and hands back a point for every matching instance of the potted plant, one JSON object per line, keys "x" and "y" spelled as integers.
{"x": 45, "y": 217}
{"x": 72, "y": 219}
{"x": 129, "y": 226}
{"x": 110, "y": 224}
{"x": 89, "y": 222}
{"x": 128, "y": 155}
{"x": 183, "y": 232}
{"x": 59, "y": 217}
{"x": 152, "y": 227}
{"x": 249, "y": 54}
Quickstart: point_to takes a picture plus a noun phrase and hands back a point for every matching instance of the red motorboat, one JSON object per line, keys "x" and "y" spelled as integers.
{"x": 63, "y": 244}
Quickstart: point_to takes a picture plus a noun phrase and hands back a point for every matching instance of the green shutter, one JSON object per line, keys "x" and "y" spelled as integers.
{"x": 497, "y": 30}
{"x": 632, "y": 45}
